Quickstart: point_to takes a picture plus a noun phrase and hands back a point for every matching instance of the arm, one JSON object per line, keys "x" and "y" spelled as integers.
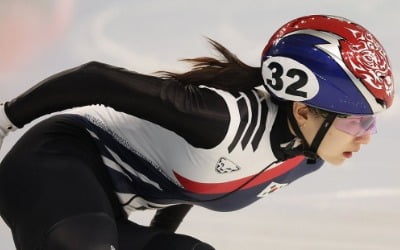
{"x": 186, "y": 110}
{"x": 170, "y": 218}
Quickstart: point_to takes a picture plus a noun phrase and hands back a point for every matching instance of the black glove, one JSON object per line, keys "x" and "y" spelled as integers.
{"x": 170, "y": 218}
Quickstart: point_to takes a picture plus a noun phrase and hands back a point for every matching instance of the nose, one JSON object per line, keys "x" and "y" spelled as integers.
{"x": 363, "y": 139}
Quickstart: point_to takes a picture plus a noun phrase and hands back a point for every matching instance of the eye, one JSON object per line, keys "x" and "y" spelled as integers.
{"x": 354, "y": 121}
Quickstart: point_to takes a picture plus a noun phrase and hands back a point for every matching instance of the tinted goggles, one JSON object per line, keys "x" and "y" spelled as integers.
{"x": 356, "y": 125}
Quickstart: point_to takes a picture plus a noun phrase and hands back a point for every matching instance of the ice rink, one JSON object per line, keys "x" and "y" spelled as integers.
{"x": 352, "y": 207}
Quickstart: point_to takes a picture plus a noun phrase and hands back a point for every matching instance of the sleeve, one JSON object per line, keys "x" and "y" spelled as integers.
{"x": 170, "y": 218}
{"x": 198, "y": 114}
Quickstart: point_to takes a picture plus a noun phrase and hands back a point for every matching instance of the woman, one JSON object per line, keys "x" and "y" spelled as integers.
{"x": 212, "y": 137}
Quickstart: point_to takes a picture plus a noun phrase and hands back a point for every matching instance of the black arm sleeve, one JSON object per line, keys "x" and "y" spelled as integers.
{"x": 197, "y": 114}
{"x": 170, "y": 218}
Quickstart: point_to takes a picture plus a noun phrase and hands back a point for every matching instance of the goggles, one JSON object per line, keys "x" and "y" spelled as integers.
{"x": 356, "y": 125}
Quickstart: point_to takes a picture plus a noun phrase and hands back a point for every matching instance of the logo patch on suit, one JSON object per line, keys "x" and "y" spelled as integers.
{"x": 272, "y": 187}
{"x": 225, "y": 166}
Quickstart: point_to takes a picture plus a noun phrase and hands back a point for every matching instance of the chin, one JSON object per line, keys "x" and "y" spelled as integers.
{"x": 337, "y": 161}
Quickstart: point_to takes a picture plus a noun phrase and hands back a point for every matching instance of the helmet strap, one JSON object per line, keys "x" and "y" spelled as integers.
{"x": 311, "y": 151}
{"x": 321, "y": 134}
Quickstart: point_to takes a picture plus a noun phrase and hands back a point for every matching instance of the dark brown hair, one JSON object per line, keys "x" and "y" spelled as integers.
{"x": 227, "y": 73}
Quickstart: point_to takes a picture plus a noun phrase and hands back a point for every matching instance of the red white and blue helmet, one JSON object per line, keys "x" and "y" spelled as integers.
{"x": 329, "y": 63}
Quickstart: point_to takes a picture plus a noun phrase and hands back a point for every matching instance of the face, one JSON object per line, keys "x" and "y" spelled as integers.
{"x": 337, "y": 145}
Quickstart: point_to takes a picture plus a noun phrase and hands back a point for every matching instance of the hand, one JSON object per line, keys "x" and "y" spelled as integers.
{"x": 170, "y": 217}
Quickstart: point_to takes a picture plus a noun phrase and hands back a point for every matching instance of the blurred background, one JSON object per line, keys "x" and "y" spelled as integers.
{"x": 355, "y": 206}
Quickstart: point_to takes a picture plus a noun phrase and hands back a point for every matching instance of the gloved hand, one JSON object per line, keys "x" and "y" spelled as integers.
{"x": 169, "y": 218}
{"x": 5, "y": 124}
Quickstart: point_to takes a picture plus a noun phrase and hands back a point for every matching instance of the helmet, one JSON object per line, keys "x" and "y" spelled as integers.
{"x": 329, "y": 63}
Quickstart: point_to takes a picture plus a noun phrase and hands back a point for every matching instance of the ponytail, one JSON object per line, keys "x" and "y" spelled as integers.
{"x": 228, "y": 73}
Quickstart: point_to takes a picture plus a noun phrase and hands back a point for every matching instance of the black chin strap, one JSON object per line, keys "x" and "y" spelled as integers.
{"x": 311, "y": 151}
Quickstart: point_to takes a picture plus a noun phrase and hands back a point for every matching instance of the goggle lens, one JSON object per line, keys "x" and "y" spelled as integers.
{"x": 356, "y": 125}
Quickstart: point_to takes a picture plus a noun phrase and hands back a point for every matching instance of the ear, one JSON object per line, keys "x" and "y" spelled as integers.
{"x": 300, "y": 112}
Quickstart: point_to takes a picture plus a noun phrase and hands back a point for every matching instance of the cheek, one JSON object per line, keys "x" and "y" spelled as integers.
{"x": 334, "y": 143}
